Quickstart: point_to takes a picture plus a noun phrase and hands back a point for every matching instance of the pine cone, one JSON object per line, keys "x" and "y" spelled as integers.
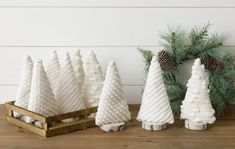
{"x": 166, "y": 61}
{"x": 212, "y": 63}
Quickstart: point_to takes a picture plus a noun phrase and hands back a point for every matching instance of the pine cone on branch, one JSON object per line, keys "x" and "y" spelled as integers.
{"x": 212, "y": 63}
{"x": 166, "y": 61}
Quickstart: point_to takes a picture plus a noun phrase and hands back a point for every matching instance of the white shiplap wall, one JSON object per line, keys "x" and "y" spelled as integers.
{"x": 112, "y": 28}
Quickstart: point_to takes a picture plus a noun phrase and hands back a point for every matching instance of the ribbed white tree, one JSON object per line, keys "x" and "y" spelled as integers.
{"x": 67, "y": 92}
{"x": 78, "y": 68}
{"x": 42, "y": 99}
{"x": 53, "y": 71}
{"x": 196, "y": 108}
{"x": 113, "y": 110}
{"x": 23, "y": 93}
{"x": 94, "y": 80}
{"x": 155, "y": 111}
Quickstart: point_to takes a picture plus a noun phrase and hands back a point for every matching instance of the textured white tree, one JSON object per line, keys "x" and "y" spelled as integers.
{"x": 53, "y": 71}
{"x": 78, "y": 68}
{"x": 42, "y": 99}
{"x": 113, "y": 110}
{"x": 196, "y": 108}
{"x": 94, "y": 80}
{"x": 23, "y": 93}
{"x": 155, "y": 111}
{"x": 67, "y": 92}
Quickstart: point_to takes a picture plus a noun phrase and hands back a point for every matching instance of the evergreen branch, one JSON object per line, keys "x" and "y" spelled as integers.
{"x": 197, "y": 35}
{"x": 148, "y": 55}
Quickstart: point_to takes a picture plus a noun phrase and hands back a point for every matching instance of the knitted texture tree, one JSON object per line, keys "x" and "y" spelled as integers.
{"x": 113, "y": 109}
{"x": 155, "y": 111}
{"x": 23, "y": 93}
{"x": 93, "y": 81}
{"x": 67, "y": 93}
{"x": 78, "y": 68}
{"x": 196, "y": 108}
{"x": 53, "y": 71}
{"x": 42, "y": 99}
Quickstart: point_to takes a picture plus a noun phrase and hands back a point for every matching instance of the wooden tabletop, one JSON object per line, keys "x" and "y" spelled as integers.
{"x": 220, "y": 135}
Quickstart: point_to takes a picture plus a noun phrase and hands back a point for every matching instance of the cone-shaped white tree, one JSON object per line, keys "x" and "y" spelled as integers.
{"x": 23, "y": 93}
{"x": 67, "y": 92}
{"x": 113, "y": 109}
{"x": 42, "y": 99}
{"x": 78, "y": 68}
{"x": 196, "y": 108}
{"x": 155, "y": 111}
{"x": 93, "y": 81}
{"x": 53, "y": 71}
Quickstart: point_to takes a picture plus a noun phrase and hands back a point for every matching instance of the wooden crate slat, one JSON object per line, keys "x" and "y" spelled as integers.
{"x": 48, "y": 129}
{"x": 22, "y": 111}
{"x": 60, "y": 117}
{"x": 63, "y": 128}
{"x": 27, "y": 126}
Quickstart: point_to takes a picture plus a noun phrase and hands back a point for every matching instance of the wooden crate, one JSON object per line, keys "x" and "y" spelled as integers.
{"x": 48, "y": 129}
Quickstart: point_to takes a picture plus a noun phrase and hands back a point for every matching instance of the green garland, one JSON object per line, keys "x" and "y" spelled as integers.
{"x": 181, "y": 46}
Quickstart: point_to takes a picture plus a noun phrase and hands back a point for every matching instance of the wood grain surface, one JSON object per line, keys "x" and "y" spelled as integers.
{"x": 219, "y": 135}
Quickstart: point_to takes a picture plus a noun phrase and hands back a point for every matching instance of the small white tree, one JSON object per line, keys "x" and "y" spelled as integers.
{"x": 155, "y": 111}
{"x": 67, "y": 92}
{"x": 113, "y": 109}
{"x": 94, "y": 80}
{"x": 53, "y": 71}
{"x": 23, "y": 93}
{"x": 196, "y": 108}
{"x": 78, "y": 68}
{"x": 42, "y": 99}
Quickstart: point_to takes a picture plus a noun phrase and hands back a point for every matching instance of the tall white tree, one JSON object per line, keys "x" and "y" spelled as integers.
{"x": 78, "y": 68}
{"x": 23, "y": 93}
{"x": 196, "y": 108}
{"x": 42, "y": 99}
{"x": 155, "y": 111}
{"x": 67, "y": 92}
{"x": 94, "y": 80}
{"x": 113, "y": 109}
{"x": 53, "y": 71}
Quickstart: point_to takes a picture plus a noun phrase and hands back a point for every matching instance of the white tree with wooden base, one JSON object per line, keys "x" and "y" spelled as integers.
{"x": 53, "y": 71}
{"x": 67, "y": 94}
{"x": 94, "y": 80}
{"x": 23, "y": 93}
{"x": 196, "y": 108}
{"x": 42, "y": 99}
{"x": 113, "y": 110}
{"x": 155, "y": 110}
{"x": 78, "y": 68}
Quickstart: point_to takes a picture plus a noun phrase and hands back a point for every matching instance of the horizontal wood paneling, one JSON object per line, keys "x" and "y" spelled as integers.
{"x": 119, "y": 3}
{"x": 105, "y": 26}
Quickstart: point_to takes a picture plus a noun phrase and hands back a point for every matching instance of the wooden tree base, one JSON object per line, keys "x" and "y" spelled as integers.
{"x": 153, "y": 126}
{"x": 195, "y": 126}
{"x": 113, "y": 127}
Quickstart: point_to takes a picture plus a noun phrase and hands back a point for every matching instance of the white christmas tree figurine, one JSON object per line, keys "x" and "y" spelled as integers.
{"x": 155, "y": 111}
{"x": 93, "y": 81}
{"x": 67, "y": 92}
{"x": 53, "y": 71}
{"x": 78, "y": 68}
{"x": 113, "y": 110}
{"x": 42, "y": 99}
{"x": 196, "y": 108}
{"x": 23, "y": 93}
